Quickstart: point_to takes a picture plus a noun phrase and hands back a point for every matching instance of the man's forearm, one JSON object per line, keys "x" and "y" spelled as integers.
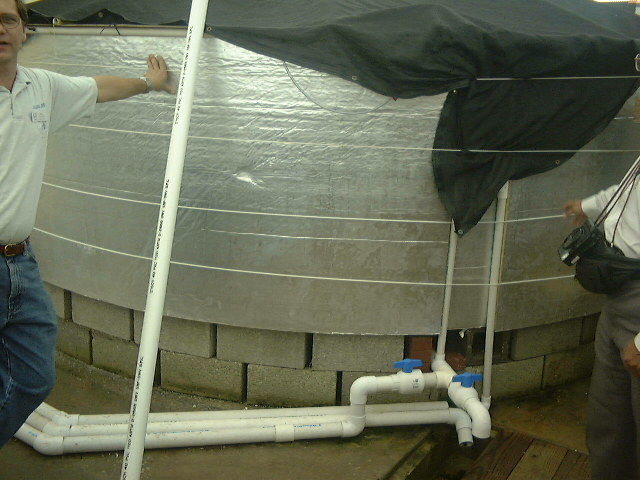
{"x": 156, "y": 78}
{"x": 112, "y": 88}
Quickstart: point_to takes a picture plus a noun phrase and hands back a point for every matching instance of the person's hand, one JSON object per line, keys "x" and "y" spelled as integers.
{"x": 573, "y": 211}
{"x": 631, "y": 358}
{"x": 158, "y": 74}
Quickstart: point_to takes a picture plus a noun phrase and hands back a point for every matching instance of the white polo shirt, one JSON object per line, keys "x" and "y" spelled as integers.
{"x": 40, "y": 103}
{"x": 627, "y": 225}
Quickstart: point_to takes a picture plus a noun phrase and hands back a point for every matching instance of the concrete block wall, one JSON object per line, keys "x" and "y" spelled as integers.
{"x": 273, "y": 368}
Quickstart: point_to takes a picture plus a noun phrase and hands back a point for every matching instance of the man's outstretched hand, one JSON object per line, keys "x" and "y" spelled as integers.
{"x": 158, "y": 73}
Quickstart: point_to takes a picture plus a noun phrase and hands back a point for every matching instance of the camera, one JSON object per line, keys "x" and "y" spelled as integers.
{"x": 579, "y": 242}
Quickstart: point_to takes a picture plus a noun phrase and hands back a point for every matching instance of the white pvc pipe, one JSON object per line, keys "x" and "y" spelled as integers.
{"x": 109, "y": 30}
{"x": 296, "y": 429}
{"x": 50, "y": 427}
{"x": 401, "y": 382}
{"x": 59, "y": 445}
{"x": 452, "y": 416}
{"x": 111, "y": 437}
{"x": 147, "y": 356}
{"x": 446, "y": 309}
{"x": 64, "y": 419}
{"x": 467, "y": 399}
{"x": 53, "y": 432}
{"x": 492, "y": 300}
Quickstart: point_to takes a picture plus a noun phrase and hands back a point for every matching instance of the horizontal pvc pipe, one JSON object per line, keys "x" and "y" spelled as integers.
{"x": 185, "y": 426}
{"x": 110, "y": 30}
{"x": 51, "y": 428}
{"x": 402, "y": 382}
{"x": 53, "y": 432}
{"x": 62, "y": 418}
{"x": 452, "y": 416}
{"x": 58, "y": 445}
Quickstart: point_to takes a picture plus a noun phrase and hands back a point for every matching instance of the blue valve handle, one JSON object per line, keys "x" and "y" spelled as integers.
{"x": 467, "y": 379}
{"x": 408, "y": 364}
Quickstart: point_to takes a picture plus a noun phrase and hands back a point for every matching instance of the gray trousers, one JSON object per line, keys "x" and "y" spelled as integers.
{"x": 613, "y": 415}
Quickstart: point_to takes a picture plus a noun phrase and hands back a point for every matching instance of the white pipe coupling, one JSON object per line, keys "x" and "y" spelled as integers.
{"x": 405, "y": 383}
{"x": 408, "y": 383}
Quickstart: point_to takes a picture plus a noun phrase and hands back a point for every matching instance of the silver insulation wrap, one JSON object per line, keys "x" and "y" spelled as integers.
{"x": 307, "y": 202}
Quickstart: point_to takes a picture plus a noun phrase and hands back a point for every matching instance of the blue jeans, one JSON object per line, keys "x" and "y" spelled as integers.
{"x": 27, "y": 341}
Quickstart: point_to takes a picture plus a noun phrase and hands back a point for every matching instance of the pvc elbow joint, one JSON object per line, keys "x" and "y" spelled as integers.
{"x": 480, "y": 418}
{"x": 353, "y": 426}
{"x": 463, "y": 424}
{"x": 467, "y": 399}
{"x": 361, "y": 389}
{"x": 48, "y": 444}
{"x": 57, "y": 416}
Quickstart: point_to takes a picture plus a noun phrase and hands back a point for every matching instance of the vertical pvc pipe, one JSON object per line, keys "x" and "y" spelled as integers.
{"x": 147, "y": 356}
{"x": 492, "y": 300}
{"x": 451, "y": 263}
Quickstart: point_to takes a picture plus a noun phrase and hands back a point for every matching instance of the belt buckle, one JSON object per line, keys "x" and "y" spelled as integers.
{"x": 12, "y": 249}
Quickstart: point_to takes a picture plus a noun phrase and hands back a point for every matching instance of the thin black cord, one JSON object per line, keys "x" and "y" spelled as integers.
{"x": 626, "y": 182}
{"x": 615, "y": 229}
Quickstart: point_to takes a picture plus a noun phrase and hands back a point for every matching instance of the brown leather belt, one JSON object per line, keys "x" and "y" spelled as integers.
{"x": 13, "y": 249}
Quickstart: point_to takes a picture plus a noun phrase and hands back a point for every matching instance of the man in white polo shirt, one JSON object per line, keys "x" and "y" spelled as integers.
{"x": 613, "y": 417}
{"x": 33, "y": 104}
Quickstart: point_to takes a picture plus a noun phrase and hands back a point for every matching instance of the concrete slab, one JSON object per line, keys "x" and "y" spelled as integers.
{"x": 376, "y": 454}
{"x": 558, "y": 415}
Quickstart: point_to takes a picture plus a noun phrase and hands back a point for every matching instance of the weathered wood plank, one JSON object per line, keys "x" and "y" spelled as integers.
{"x": 541, "y": 461}
{"x": 575, "y": 466}
{"x": 500, "y": 457}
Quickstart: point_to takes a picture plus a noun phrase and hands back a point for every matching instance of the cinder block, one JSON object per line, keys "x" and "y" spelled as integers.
{"x": 61, "y": 301}
{"x": 208, "y": 377}
{"x": 181, "y": 336}
{"x": 564, "y": 367}
{"x": 114, "y": 354}
{"x": 290, "y": 387}
{"x": 103, "y": 317}
{"x": 512, "y": 379}
{"x": 349, "y": 377}
{"x": 74, "y": 340}
{"x": 262, "y": 347}
{"x": 589, "y": 325}
{"x": 545, "y": 339}
{"x": 356, "y": 353}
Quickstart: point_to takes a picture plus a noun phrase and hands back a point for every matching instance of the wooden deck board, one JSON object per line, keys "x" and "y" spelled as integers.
{"x": 500, "y": 457}
{"x": 575, "y": 466}
{"x": 541, "y": 461}
{"x": 518, "y": 456}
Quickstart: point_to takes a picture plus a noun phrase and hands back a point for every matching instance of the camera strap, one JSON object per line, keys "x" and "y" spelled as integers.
{"x": 626, "y": 185}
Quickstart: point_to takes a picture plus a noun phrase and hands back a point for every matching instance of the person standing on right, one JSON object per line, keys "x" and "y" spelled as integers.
{"x": 613, "y": 412}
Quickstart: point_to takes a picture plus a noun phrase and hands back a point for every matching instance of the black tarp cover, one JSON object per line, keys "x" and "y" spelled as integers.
{"x": 491, "y": 129}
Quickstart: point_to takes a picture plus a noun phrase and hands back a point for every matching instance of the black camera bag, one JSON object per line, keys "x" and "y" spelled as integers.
{"x": 600, "y": 266}
{"x": 605, "y": 269}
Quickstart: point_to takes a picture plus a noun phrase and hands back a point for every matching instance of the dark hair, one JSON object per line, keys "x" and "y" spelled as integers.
{"x": 22, "y": 11}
